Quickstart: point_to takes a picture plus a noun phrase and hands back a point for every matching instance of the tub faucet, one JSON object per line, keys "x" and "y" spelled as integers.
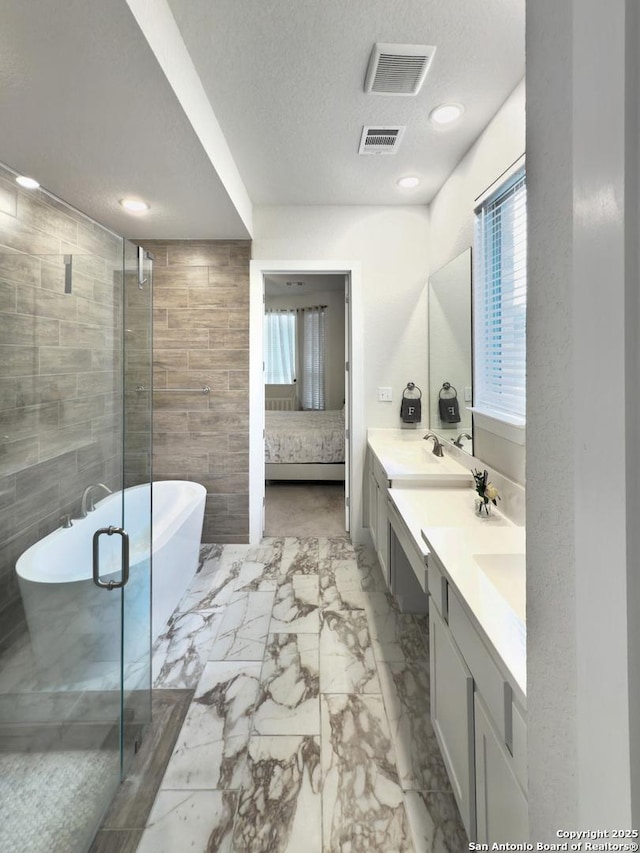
{"x": 458, "y": 441}
{"x": 86, "y": 505}
{"x": 437, "y": 447}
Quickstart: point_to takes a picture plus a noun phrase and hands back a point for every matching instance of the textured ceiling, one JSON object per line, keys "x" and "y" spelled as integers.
{"x": 285, "y": 79}
{"x": 86, "y": 108}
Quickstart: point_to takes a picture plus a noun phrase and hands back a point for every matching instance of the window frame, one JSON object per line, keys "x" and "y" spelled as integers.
{"x": 508, "y": 425}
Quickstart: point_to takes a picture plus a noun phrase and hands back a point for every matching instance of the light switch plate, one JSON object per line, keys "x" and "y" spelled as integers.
{"x": 385, "y": 395}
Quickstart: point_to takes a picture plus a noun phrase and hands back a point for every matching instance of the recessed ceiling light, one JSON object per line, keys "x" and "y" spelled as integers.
{"x": 446, "y": 113}
{"x": 27, "y": 183}
{"x": 408, "y": 182}
{"x": 134, "y": 205}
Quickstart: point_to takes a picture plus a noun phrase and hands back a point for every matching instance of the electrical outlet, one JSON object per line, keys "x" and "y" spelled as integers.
{"x": 385, "y": 395}
{"x": 468, "y": 396}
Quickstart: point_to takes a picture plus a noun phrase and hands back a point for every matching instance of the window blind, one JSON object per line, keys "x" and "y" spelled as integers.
{"x": 313, "y": 358}
{"x": 500, "y": 302}
{"x": 280, "y": 347}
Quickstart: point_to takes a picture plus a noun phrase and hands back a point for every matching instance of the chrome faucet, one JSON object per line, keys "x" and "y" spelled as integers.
{"x": 87, "y": 505}
{"x": 458, "y": 441}
{"x": 437, "y": 447}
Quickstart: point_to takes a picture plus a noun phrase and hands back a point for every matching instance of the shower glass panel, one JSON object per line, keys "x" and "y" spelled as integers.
{"x": 74, "y": 674}
{"x": 136, "y": 498}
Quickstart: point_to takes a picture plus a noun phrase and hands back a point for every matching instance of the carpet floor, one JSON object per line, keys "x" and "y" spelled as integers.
{"x": 304, "y": 509}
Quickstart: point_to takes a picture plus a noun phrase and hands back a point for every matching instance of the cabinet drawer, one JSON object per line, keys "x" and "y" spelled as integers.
{"x": 438, "y": 588}
{"x": 489, "y": 682}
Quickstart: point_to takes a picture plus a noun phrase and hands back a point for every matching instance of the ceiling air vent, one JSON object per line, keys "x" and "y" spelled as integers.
{"x": 380, "y": 140}
{"x": 398, "y": 69}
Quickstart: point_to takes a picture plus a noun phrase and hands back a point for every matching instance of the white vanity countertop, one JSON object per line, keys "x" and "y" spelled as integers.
{"x": 405, "y": 456}
{"x": 440, "y": 506}
{"x": 486, "y": 564}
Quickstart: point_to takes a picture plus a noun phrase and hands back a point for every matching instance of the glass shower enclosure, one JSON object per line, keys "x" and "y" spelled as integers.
{"x": 75, "y": 518}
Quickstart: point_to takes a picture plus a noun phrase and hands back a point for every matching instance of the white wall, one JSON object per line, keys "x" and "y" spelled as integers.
{"x": 392, "y": 245}
{"x": 450, "y": 339}
{"x": 334, "y": 318}
{"x": 451, "y": 224}
{"x": 582, "y": 480}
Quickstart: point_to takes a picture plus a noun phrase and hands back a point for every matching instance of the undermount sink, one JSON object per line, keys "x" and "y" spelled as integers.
{"x": 506, "y": 572}
{"x": 426, "y": 455}
{"x": 419, "y": 453}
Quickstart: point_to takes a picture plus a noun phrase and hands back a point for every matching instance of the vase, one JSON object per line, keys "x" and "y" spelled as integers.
{"x": 482, "y": 507}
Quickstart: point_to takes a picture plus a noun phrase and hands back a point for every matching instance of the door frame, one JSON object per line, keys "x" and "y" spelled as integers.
{"x": 357, "y": 437}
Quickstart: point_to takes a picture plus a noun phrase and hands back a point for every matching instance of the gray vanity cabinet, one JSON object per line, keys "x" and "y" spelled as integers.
{"x": 452, "y": 716}
{"x": 378, "y": 484}
{"x": 501, "y": 806}
{"x": 479, "y": 726}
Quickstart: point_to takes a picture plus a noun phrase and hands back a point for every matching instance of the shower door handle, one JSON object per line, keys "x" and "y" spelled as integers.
{"x": 96, "y": 557}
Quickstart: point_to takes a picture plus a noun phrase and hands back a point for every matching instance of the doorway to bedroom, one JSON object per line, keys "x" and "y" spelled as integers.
{"x": 305, "y": 345}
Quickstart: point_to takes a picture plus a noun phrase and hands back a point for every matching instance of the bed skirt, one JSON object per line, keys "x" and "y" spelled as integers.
{"x": 304, "y": 471}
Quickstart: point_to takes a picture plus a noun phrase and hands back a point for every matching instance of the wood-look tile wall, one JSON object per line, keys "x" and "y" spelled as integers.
{"x": 201, "y": 337}
{"x": 60, "y": 367}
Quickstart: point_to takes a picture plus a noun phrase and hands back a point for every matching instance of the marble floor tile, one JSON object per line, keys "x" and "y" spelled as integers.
{"x": 332, "y": 597}
{"x": 372, "y": 579}
{"x": 335, "y": 548}
{"x": 436, "y": 826}
{"x": 208, "y": 554}
{"x": 255, "y": 576}
{"x": 341, "y": 585}
{"x": 268, "y": 552}
{"x": 295, "y": 607}
{"x": 313, "y": 732}
{"x": 280, "y": 809}
{"x": 221, "y": 558}
{"x": 289, "y": 702}
{"x": 422, "y": 621}
{"x": 213, "y": 586}
{"x": 362, "y": 802}
{"x": 405, "y": 688}
{"x": 395, "y": 636}
{"x": 299, "y": 557}
{"x": 179, "y": 655}
{"x": 211, "y": 749}
{"x": 244, "y": 627}
{"x": 347, "y": 663}
{"x": 197, "y": 821}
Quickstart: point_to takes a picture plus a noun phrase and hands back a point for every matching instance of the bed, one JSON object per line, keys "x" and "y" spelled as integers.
{"x": 304, "y": 445}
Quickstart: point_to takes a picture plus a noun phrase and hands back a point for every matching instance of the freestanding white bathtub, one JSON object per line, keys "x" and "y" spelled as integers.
{"x": 75, "y": 627}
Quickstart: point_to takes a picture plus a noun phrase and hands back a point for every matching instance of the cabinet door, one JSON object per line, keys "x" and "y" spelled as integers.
{"x": 502, "y": 811}
{"x": 452, "y": 716}
{"x": 373, "y": 509}
{"x": 382, "y": 532}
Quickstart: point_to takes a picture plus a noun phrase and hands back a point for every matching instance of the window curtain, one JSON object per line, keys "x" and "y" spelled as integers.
{"x": 280, "y": 346}
{"x": 312, "y": 326}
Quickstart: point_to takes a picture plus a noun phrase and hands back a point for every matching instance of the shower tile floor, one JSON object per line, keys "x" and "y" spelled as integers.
{"x": 57, "y": 813}
{"x": 309, "y": 727}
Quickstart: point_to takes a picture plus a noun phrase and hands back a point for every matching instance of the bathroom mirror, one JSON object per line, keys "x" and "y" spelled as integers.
{"x": 450, "y": 346}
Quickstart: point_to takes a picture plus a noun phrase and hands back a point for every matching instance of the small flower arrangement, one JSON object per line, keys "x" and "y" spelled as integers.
{"x": 486, "y": 490}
